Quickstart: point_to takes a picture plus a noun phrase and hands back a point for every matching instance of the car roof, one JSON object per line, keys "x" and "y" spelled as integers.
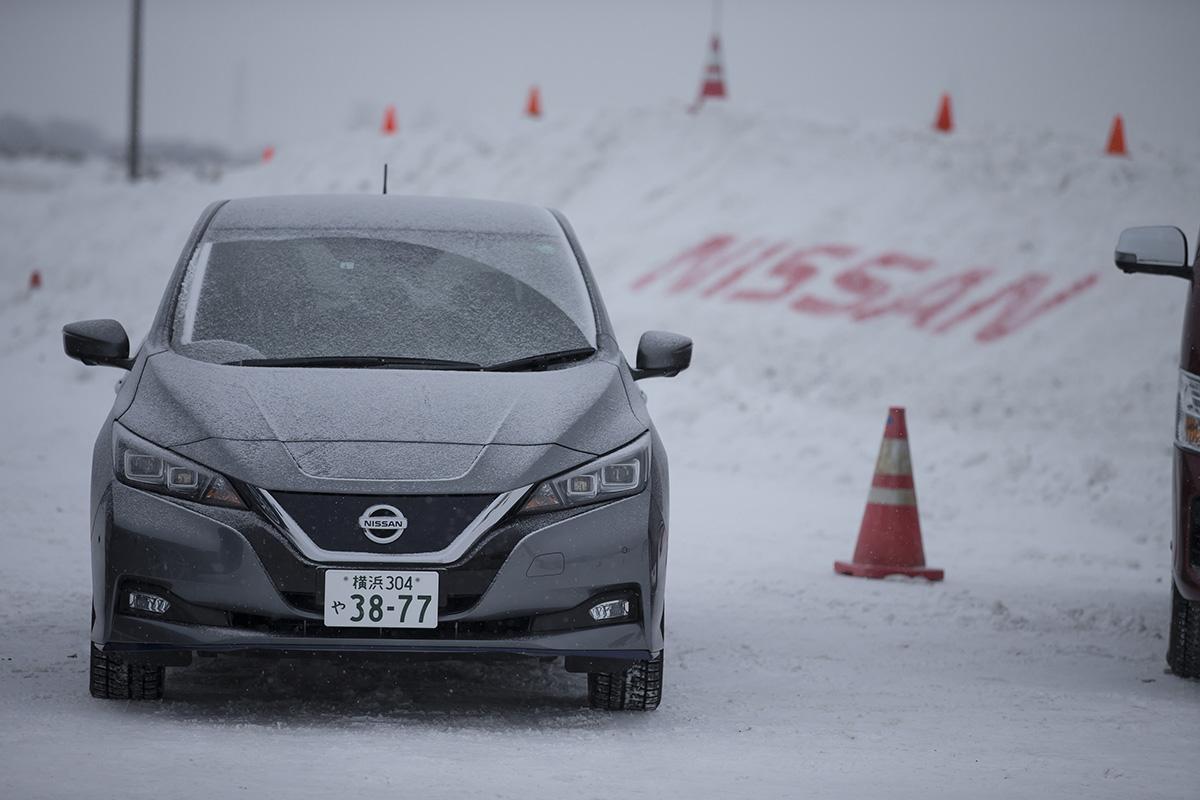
{"x": 364, "y": 212}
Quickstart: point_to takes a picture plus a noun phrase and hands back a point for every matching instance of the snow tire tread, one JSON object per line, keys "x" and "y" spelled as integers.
{"x": 1183, "y": 650}
{"x": 114, "y": 679}
{"x": 637, "y": 688}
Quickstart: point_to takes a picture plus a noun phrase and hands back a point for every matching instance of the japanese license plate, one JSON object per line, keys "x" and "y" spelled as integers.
{"x": 362, "y": 598}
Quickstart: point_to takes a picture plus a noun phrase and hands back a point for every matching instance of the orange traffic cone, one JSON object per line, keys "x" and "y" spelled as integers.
{"x": 35, "y": 280}
{"x": 389, "y": 120}
{"x": 712, "y": 85}
{"x": 945, "y": 119}
{"x": 268, "y": 153}
{"x": 889, "y": 541}
{"x": 1116, "y": 138}
{"x": 533, "y": 108}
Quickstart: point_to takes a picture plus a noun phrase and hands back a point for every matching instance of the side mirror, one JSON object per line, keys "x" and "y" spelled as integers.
{"x": 662, "y": 354}
{"x": 1153, "y": 250}
{"x": 97, "y": 341}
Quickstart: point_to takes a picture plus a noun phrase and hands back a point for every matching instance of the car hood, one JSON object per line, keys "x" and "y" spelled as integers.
{"x": 382, "y": 430}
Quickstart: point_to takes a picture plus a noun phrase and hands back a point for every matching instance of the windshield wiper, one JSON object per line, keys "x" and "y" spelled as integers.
{"x": 351, "y": 362}
{"x": 541, "y": 361}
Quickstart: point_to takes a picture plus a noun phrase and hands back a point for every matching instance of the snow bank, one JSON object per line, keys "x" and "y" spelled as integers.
{"x": 825, "y": 272}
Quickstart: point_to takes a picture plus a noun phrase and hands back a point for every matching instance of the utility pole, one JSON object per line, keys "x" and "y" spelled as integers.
{"x": 135, "y": 91}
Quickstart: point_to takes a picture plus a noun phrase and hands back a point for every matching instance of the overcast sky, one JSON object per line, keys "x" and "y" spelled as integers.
{"x": 307, "y": 68}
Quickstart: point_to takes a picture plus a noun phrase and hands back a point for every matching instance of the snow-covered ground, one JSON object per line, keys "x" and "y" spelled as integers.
{"x": 1041, "y": 443}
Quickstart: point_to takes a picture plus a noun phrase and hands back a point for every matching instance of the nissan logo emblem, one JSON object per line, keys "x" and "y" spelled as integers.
{"x": 383, "y": 524}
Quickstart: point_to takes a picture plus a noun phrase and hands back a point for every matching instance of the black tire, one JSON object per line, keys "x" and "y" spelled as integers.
{"x": 1183, "y": 651}
{"x": 636, "y": 688}
{"x": 114, "y": 679}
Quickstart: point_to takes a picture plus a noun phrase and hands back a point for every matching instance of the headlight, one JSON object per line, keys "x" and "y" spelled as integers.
{"x": 621, "y": 473}
{"x": 155, "y": 469}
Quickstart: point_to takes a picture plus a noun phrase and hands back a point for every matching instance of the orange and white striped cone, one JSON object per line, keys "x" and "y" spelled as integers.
{"x": 712, "y": 87}
{"x": 712, "y": 84}
{"x": 889, "y": 541}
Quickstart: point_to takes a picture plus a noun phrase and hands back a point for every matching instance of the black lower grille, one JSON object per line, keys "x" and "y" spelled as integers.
{"x": 487, "y": 629}
{"x": 448, "y": 603}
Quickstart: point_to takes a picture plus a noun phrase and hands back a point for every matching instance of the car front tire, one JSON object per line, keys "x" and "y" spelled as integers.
{"x": 636, "y": 688}
{"x": 1183, "y": 651}
{"x": 114, "y": 679}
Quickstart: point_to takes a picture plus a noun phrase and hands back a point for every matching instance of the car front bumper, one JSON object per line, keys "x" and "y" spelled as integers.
{"x": 237, "y": 583}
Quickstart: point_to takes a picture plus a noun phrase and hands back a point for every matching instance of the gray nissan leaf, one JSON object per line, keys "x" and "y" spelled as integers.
{"x": 379, "y": 424}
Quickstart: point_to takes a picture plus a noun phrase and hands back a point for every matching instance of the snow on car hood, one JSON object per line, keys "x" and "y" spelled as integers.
{"x": 438, "y": 430}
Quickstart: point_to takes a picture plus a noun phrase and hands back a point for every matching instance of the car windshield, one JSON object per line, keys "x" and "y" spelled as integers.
{"x": 418, "y": 298}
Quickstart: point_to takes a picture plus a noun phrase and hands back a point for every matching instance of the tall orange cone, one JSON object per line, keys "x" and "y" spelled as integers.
{"x": 533, "y": 108}
{"x": 268, "y": 153}
{"x": 35, "y": 280}
{"x": 889, "y": 541}
{"x": 945, "y": 119}
{"x": 712, "y": 83}
{"x": 389, "y": 121}
{"x": 1116, "y": 138}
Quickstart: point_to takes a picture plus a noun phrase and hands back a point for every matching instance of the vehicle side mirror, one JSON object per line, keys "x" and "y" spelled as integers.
{"x": 662, "y": 354}
{"x": 1153, "y": 250}
{"x": 97, "y": 341}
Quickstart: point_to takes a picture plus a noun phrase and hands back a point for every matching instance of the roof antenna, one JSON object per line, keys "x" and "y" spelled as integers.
{"x": 385, "y": 177}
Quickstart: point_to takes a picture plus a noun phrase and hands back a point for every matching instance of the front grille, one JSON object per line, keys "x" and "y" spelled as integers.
{"x": 301, "y": 581}
{"x": 461, "y": 584}
{"x": 487, "y": 629}
{"x": 332, "y": 520}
